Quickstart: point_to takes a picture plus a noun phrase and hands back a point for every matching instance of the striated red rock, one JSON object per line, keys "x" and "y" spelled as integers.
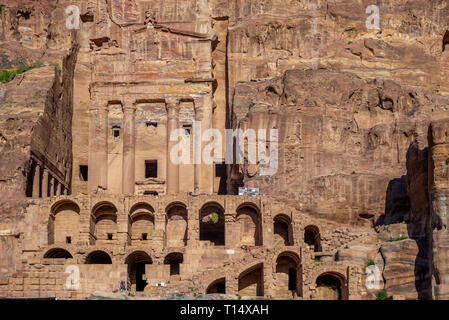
{"x": 343, "y": 140}
{"x": 438, "y": 187}
{"x": 401, "y": 272}
{"x": 352, "y": 105}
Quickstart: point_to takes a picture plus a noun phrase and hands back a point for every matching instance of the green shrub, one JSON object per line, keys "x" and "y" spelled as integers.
{"x": 7, "y": 75}
{"x": 337, "y": 294}
{"x": 38, "y": 64}
{"x": 214, "y": 217}
{"x": 397, "y": 239}
{"x": 381, "y": 295}
{"x": 317, "y": 260}
{"x": 57, "y": 66}
{"x": 371, "y": 263}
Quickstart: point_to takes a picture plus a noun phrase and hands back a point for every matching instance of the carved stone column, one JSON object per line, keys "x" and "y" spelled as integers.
{"x": 232, "y": 284}
{"x": 193, "y": 232}
{"x": 204, "y": 172}
{"x": 36, "y": 180}
{"x": 230, "y": 217}
{"x": 230, "y": 242}
{"x": 172, "y": 124}
{"x": 98, "y": 146}
{"x": 122, "y": 226}
{"x": 84, "y": 227}
{"x": 158, "y": 236}
{"x": 129, "y": 147}
{"x": 45, "y": 183}
{"x": 60, "y": 190}
{"x": 51, "y": 184}
{"x": 197, "y": 147}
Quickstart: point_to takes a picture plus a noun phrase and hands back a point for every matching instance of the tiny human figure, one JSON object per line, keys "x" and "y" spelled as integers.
{"x": 122, "y": 285}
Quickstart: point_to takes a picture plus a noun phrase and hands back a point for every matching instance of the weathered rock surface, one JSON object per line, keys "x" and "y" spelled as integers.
{"x": 352, "y": 105}
{"x": 343, "y": 140}
{"x": 32, "y": 106}
{"x": 402, "y": 271}
{"x": 439, "y": 188}
{"x": 358, "y": 254}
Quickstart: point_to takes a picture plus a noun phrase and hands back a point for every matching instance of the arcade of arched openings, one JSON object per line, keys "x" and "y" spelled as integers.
{"x": 231, "y": 245}
{"x": 330, "y": 286}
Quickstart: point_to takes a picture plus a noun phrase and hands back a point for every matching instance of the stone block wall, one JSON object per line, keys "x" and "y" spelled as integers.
{"x": 63, "y": 278}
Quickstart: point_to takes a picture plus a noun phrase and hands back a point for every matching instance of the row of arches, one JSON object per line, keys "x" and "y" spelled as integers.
{"x": 287, "y": 278}
{"x": 329, "y": 285}
{"x": 251, "y": 281}
{"x": 136, "y": 262}
{"x": 64, "y": 225}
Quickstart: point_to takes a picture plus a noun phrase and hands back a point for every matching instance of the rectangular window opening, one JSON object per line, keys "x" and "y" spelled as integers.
{"x": 220, "y": 170}
{"x": 109, "y": 236}
{"x": 84, "y": 173}
{"x": 116, "y": 132}
{"x": 150, "y": 169}
{"x": 187, "y": 129}
{"x": 68, "y": 240}
{"x": 221, "y": 173}
{"x": 144, "y": 236}
{"x": 151, "y": 123}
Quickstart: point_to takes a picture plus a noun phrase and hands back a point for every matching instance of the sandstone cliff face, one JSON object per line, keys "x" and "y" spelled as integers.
{"x": 31, "y": 111}
{"x": 266, "y": 38}
{"x": 402, "y": 272}
{"x": 438, "y": 186}
{"x": 352, "y": 106}
{"x": 343, "y": 140}
{"x": 32, "y": 30}
{"x": 25, "y": 126}
{"x": 262, "y": 40}
{"x": 35, "y": 108}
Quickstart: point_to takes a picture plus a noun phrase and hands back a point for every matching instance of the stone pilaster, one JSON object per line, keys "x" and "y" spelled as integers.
{"x": 51, "y": 185}
{"x": 267, "y": 224}
{"x": 158, "y": 237}
{"x": 84, "y": 227}
{"x": 172, "y": 124}
{"x": 232, "y": 285}
{"x": 204, "y": 173}
{"x": 197, "y": 145}
{"x": 98, "y": 146}
{"x": 122, "y": 228}
{"x": 129, "y": 147}
{"x": 193, "y": 231}
{"x": 268, "y": 271}
{"x": 45, "y": 177}
{"x": 60, "y": 191}
{"x": 36, "y": 180}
